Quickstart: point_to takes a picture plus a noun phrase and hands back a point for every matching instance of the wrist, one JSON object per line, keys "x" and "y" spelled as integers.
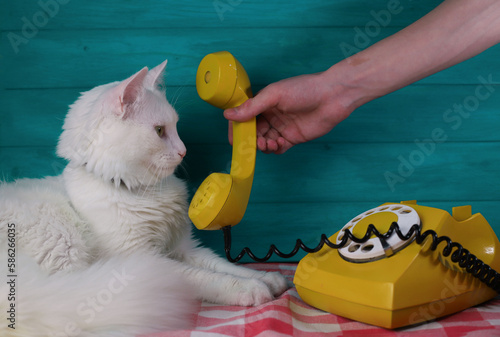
{"x": 351, "y": 84}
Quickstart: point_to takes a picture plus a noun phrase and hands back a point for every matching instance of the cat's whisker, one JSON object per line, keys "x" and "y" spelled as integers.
{"x": 184, "y": 170}
{"x": 162, "y": 181}
{"x": 159, "y": 176}
{"x": 176, "y": 95}
{"x": 184, "y": 105}
{"x": 152, "y": 176}
{"x": 155, "y": 177}
{"x": 159, "y": 179}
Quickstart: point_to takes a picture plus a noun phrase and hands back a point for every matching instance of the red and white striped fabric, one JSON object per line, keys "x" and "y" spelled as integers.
{"x": 289, "y": 316}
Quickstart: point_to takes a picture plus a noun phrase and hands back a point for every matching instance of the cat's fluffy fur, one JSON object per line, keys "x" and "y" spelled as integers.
{"x": 105, "y": 249}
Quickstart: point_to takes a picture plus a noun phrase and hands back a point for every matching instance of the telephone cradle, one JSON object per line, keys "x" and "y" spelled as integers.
{"x": 391, "y": 266}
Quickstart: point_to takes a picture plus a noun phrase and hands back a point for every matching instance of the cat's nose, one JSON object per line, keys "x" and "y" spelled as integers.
{"x": 181, "y": 149}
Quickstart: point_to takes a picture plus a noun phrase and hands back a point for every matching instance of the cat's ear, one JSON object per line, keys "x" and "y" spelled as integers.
{"x": 155, "y": 78}
{"x": 128, "y": 92}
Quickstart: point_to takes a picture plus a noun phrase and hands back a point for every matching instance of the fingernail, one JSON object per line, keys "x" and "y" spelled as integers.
{"x": 230, "y": 112}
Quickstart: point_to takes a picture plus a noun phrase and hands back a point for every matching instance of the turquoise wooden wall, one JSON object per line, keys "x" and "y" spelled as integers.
{"x": 51, "y": 50}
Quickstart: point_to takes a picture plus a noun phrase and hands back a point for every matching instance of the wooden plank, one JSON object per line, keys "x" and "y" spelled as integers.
{"x": 361, "y": 172}
{"x": 35, "y": 117}
{"x": 113, "y": 14}
{"x": 32, "y": 162}
{"x": 307, "y": 202}
{"x": 75, "y": 59}
{"x": 381, "y": 153}
{"x": 282, "y": 224}
{"x": 327, "y": 172}
{"x": 283, "y": 221}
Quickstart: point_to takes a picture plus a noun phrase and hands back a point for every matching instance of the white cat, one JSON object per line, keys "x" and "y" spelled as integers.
{"x": 105, "y": 249}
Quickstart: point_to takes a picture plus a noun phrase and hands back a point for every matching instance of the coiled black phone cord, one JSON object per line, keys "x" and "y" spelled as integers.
{"x": 466, "y": 260}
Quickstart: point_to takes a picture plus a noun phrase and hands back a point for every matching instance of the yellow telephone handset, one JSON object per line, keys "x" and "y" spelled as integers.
{"x": 221, "y": 200}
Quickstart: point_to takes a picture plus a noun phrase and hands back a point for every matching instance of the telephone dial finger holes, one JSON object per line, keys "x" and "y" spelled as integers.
{"x": 381, "y": 217}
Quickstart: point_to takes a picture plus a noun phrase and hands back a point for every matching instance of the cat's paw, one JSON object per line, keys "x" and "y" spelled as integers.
{"x": 252, "y": 292}
{"x": 276, "y": 282}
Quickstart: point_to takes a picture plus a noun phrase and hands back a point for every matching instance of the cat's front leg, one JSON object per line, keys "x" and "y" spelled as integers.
{"x": 204, "y": 258}
{"x": 221, "y": 288}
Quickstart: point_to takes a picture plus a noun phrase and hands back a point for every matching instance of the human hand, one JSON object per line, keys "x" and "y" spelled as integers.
{"x": 302, "y": 108}
{"x": 292, "y": 111}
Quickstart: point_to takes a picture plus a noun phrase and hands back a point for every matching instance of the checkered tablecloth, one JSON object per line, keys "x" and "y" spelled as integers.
{"x": 288, "y": 315}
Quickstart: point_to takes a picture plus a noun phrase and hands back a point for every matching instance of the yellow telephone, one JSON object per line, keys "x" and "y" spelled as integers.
{"x": 221, "y": 200}
{"x": 391, "y": 279}
{"x": 398, "y": 283}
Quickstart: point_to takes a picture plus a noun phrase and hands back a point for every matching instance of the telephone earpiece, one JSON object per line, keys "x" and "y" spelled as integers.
{"x": 221, "y": 200}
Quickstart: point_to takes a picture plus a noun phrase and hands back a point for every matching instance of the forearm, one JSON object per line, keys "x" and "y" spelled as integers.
{"x": 453, "y": 32}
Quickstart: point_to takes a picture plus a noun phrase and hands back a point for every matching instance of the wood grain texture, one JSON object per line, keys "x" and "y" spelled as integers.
{"x": 114, "y": 14}
{"x": 86, "y": 58}
{"x": 336, "y": 172}
{"x": 284, "y": 223}
{"x": 357, "y": 172}
{"x": 35, "y": 117}
{"x": 291, "y": 201}
{"x": 436, "y": 141}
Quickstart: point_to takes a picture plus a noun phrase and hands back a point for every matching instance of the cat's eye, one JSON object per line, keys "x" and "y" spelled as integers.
{"x": 160, "y": 130}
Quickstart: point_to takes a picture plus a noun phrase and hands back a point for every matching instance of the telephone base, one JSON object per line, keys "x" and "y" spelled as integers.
{"x": 392, "y": 319}
{"x": 414, "y": 285}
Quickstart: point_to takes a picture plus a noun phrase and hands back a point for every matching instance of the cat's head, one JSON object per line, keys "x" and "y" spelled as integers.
{"x": 124, "y": 132}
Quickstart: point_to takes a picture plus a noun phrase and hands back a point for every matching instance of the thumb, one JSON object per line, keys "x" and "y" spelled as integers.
{"x": 250, "y": 108}
{"x": 242, "y": 113}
